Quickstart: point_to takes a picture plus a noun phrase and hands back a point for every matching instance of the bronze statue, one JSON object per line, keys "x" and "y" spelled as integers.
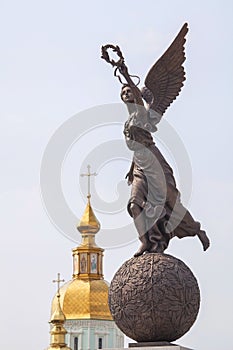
{"x": 155, "y": 201}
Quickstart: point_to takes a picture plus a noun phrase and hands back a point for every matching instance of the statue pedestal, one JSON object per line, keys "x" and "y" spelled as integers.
{"x": 154, "y": 347}
{"x": 157, "y": 346}
{"x": 165, "y": 347}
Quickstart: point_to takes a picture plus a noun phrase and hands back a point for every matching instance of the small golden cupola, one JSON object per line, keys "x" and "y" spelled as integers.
{"x": 86, "y": 295}
{"x": 87, "y": 258}
{"x": 58, "y": 331}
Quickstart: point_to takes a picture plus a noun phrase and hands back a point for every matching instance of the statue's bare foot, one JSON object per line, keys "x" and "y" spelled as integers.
{"x": 204, "y": 239}
{"x": 143, "y": 248}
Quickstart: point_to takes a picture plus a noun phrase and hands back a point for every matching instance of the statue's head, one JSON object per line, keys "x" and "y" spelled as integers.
{"x": 127, "y": 95}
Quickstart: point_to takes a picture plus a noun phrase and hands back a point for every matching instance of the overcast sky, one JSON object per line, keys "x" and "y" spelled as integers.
{"x": 51, "y": 73}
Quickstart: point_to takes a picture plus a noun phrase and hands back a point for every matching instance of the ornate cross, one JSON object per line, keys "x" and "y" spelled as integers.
{"x": 89, "y": 180}
{"x": 58, "y": 282}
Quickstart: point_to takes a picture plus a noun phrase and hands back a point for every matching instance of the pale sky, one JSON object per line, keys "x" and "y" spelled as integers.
{"x": 51, "y": 71}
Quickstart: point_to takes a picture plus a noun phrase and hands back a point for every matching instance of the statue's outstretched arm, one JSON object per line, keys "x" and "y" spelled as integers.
{"x": 123, "y": 70}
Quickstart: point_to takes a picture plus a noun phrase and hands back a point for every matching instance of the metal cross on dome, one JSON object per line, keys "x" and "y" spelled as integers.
{"x": 58, "y": 280}
{"x": 89, "y": 174}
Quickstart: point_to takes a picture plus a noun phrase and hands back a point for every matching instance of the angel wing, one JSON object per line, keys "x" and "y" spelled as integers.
{"x": 166, "y": 76}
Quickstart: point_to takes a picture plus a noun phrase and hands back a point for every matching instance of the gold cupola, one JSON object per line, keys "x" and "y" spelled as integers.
{"x": 86, "y": 295}
{"x": 88, "y": 223}
{"x": 58, "y": 331}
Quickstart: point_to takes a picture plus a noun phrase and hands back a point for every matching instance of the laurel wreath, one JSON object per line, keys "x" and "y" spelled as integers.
{"x": 115, "y": 49}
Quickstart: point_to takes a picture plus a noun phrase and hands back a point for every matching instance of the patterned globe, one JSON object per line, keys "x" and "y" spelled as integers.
{"x": 154, "y": 297}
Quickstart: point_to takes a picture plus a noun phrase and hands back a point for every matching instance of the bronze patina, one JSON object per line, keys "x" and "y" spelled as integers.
{"x": 154, "y": 203}
{"x": 154, "y": 297}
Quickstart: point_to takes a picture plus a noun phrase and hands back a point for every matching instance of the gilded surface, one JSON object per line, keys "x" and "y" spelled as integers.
{"x": 58, "y": 314}
{"x": 87, "y": 259}
{"x": 85, "y": 299}
{"x": 58, "y": 331}
{"x": 86, "y": 295}
{"x": 88, "y": 222}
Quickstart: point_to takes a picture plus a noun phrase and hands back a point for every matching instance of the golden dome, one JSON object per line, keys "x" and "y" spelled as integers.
{"x": 57, "y": 321}
{"x": 57, "y": 315}
{"x": 88, "y": 222}
{"x": 84, "y": 299}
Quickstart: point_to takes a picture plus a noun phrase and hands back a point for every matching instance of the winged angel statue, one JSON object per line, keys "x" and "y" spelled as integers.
{"x": 155, "y": 202}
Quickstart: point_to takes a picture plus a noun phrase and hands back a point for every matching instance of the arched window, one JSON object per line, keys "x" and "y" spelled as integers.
{"x": 100, "y": 343}
{"x": 76, "y": 343}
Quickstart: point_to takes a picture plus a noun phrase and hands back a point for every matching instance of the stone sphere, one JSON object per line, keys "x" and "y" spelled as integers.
{"x": 154, "y": 297}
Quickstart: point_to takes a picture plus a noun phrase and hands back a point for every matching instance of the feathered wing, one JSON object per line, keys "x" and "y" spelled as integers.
{"x": 166, "y": 76}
